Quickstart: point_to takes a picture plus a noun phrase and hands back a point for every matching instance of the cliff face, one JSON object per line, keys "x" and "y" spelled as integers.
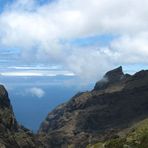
{"x": 110, "y": 78}
{"x": 13, "y": 135}
{"x": 115, "y": 103}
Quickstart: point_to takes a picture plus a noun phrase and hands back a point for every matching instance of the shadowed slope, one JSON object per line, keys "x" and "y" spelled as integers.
{"x": 114, "y": 104}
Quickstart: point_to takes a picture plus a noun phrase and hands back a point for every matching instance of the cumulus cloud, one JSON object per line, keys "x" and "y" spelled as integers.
{"x": 38, "y": 92}
{"x": 43, "y": 32}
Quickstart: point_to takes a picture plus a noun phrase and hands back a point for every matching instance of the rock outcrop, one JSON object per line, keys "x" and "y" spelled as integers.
{"x": 13, "y": 135}
{"x": 110, "y": 78}
{"x": 115, "y": 103}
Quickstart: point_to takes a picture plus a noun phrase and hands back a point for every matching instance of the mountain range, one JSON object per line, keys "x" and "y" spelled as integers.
{"x": 103, "y": 117}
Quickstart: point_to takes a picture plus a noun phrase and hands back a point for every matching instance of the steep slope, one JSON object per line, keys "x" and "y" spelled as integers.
{"x": 13, "y": 135}
{"x": 115, "y": 103}
{"x": 133, "y": 137}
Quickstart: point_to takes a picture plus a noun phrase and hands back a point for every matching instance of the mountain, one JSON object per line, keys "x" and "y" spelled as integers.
{"x": 133, "y": 137}
{"x": 117, "y": 102}
{"x": 113, "y": 115}
{"x": 13, "y": 135}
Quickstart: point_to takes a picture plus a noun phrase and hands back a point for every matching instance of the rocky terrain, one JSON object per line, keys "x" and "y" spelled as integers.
{"x": 13, "y": 135}
{"x": 116, "y": 103}
{"x": 113, "y": 115}
{"x": 133, "y": 137}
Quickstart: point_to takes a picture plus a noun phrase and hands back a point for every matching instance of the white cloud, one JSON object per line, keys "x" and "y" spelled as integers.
{"x": 38, "y": 92}
{"x": 38, "y": 32}
{"x": 49, "y": 73}
{"x": 87, "y": 62}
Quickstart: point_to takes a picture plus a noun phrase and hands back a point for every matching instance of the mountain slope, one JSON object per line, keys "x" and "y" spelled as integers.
{"x": 115, "y": 103}
{"x": 103, "y": 116}
{"x": 133, "y": 137}
{"x": 13, "y": 135}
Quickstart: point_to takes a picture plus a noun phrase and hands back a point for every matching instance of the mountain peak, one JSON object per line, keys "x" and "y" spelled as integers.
{"x": 110, "y": 77}
{"x": 115, "y": 73}
{"x": 118, "y": 101}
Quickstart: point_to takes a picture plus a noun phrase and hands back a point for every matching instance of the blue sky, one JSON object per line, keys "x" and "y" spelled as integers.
{"x": 65, "y": 46}
{"x": 83, "y": 38}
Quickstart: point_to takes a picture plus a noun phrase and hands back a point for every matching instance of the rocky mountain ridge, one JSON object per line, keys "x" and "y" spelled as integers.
{"x": 115, "y": 103}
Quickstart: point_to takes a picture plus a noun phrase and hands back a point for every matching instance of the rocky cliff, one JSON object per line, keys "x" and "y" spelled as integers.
{"x": 13, "y": 135}
{"x": 116, "y": 103}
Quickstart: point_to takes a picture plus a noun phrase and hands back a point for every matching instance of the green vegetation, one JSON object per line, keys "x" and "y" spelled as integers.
{"x": 136, "y": 138}
{"x": 97, "y": 145}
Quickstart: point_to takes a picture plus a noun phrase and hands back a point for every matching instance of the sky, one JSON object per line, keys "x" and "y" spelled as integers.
{"x": 65, "y": 46}
{"x": 82, "y": 37}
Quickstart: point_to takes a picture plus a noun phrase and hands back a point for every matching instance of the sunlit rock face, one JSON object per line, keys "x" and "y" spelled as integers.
{"x": 115, "y": 103}
{"x": 6, "y": 114}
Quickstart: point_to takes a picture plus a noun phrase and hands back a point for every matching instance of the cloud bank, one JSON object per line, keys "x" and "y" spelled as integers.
{"x": 45, "y": 33}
